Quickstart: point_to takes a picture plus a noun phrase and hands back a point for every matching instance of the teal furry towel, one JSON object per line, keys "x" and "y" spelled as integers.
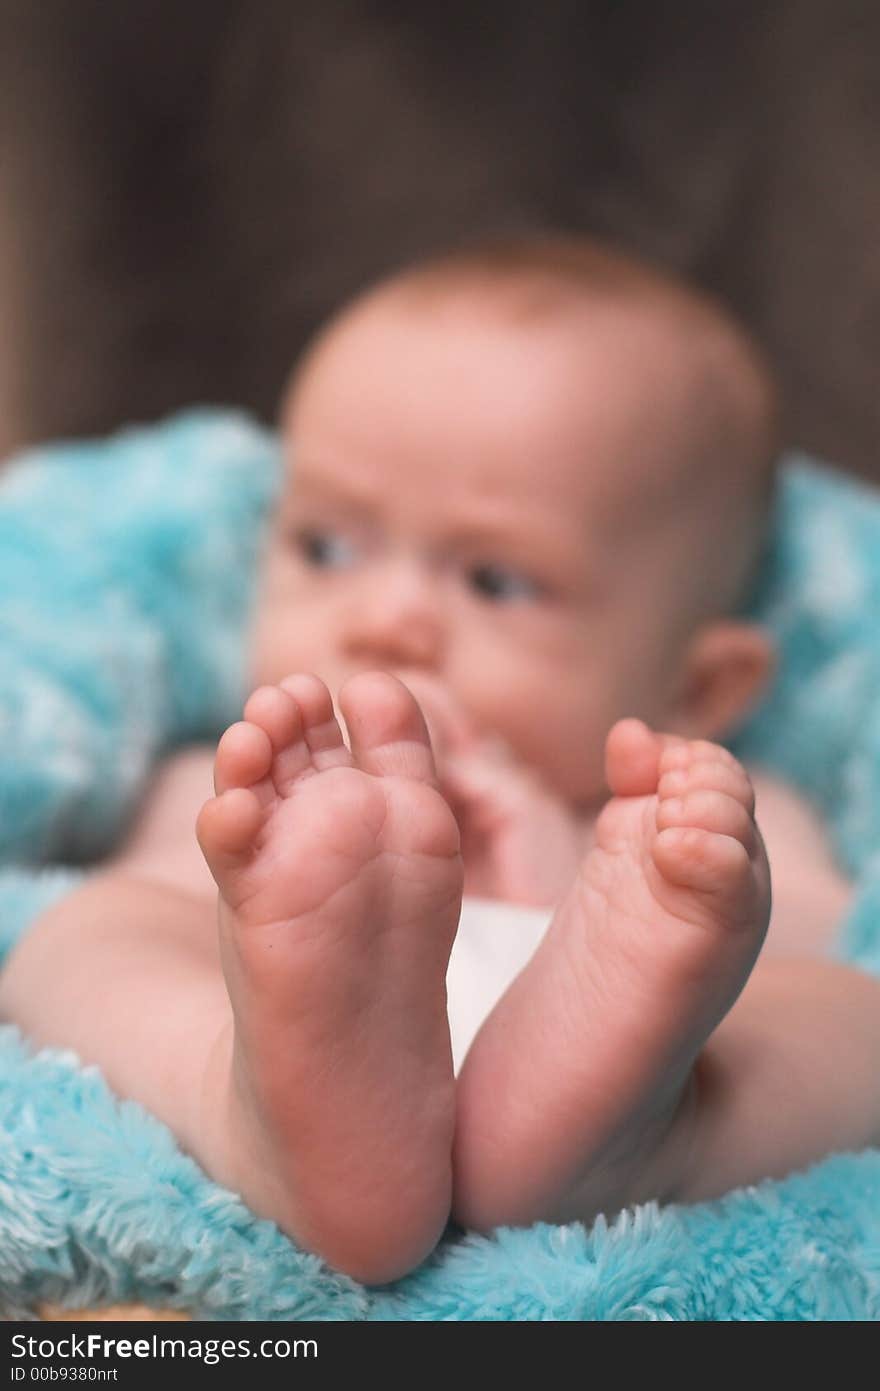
{"x": 125, "y": 576}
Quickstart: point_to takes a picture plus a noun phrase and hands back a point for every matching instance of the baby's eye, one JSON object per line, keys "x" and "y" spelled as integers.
{"x": 326, "y": 550}
{"x": 501, "y": 585}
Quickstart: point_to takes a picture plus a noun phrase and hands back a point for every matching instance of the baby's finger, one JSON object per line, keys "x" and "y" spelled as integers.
{"x": 475, "y": 792}
{"x": 450, "y": 729}
{"x": 499, "y": 792}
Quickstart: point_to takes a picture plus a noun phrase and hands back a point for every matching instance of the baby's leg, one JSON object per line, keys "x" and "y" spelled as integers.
{"x": 788, "y": 1077}
{"x": 578, "y": 1091}
{"x": 126, "y": 972}
{"x": 592, "y": 1084}
{"x": 320, "y": 1086}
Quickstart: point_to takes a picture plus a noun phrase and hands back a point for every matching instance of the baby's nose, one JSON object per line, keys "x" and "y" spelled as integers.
{"x": 396, "y": 621}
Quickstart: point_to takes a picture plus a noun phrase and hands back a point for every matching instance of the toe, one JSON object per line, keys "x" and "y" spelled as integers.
{"x": 311, "y": 695}
{"x": 298, "y": 717}
{"x": 633, "y": 754}
{"x": 708, "y": 775}
{"x": 275, "y": 711}
{"x": 388, "y": 733}
{"x": 704, "y": 861}
{"x": 278, "y": 714}
{"x": 243, "y": 758}
{"x": 706, "y": 809}
{"x": 320, "y": 728}
{"x": 226, "y": 828}
{"x": 683, "y": 753}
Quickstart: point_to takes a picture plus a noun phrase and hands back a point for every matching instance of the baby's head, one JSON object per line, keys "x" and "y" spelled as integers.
{"x": 540, "y": 474}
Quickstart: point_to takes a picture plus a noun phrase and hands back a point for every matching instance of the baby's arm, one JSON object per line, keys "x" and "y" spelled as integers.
{"x": 520, "y": 842}
{"x": 126, "y": 970}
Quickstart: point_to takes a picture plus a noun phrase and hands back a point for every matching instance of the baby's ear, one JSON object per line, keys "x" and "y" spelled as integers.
{"x": 727, "y": 667}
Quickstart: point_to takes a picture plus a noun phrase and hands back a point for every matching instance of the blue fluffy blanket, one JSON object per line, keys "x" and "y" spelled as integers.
{"x": 125, "y": 576}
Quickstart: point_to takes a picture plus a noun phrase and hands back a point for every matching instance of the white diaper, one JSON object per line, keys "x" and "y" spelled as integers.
{"x": 494, "y": 942}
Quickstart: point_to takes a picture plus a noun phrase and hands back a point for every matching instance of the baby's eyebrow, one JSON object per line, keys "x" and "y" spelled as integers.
{"x": 495, "y": 529}
{"x": 346, "y": 492}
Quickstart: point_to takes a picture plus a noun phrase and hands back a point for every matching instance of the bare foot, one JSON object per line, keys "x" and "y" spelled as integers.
{"x": 574, "y": 1096}
{"x": 340, "y": 890}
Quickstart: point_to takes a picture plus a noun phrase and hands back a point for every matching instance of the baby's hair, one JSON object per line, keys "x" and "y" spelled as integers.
{"x": 539, "y": 276}
{"x": 732, "y": 393}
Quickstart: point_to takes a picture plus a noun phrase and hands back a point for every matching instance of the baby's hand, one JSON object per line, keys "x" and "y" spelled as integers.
{"x": 519, "y": 841}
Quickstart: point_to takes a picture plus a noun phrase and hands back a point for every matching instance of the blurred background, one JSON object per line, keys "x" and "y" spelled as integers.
{"x": 187, "y": 189}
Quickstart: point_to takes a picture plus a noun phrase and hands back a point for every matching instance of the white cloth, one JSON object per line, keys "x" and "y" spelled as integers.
{"x": 494, "y": 942}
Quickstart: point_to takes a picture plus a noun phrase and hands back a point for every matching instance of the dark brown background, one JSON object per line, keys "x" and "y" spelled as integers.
{"x": 187, "y": 188}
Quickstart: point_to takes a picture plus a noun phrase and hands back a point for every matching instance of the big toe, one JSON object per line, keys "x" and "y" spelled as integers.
{"x": 386, "y": 728}
{"x": 633, "y": 753}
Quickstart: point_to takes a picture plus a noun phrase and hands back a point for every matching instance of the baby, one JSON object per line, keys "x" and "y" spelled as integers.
{"x": 529, "y": 493}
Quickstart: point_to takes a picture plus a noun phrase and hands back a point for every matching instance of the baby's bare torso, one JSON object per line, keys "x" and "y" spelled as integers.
{"x": 810, "y": 894}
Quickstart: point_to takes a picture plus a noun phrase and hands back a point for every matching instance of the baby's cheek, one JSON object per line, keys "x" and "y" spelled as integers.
{"x": 570, "y": 740}
{"x": 549, "y": 735}
{"x": 578, "y": 765}
{"x": 258, "y": 657}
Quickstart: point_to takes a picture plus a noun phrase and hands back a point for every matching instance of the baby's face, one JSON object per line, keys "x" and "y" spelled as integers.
{"x": 461, "y": 507}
